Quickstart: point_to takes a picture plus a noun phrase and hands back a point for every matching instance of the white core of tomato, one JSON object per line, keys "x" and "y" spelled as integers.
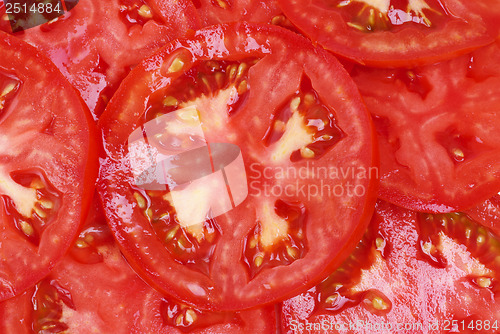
{"x": 24, "y": 198}
{"x": 296, "y": 136}
{"x": 273, "y": 227}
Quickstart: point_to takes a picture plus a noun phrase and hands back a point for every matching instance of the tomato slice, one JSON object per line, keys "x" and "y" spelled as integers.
{"x": 237, "y": 226}
{"x": 48, "y": 165}
{"x": 438, "y": 131}
{"x": 393, "y": 32}
{"x": 119, "y": 302}
{"x": 419, "y": 273}
{"x": 97, "y": 43}
{"x": 223, "y": 11}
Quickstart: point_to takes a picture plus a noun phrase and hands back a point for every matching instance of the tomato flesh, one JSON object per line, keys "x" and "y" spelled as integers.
{"x": 437, "y": 127}
{"x": 43, "y": 195}
{"x": 395, "y": 33}
{"x": 261, "y": 250}
{"x": 420, "y": 273}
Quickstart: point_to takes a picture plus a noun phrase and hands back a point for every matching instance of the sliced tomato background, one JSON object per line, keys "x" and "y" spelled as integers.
{"x": 224, "y": 11}
{"x": 391, "y": 33}
{"x": 48, "y": 165}
{"x": 97, "y": 43}
{"x": 438, "y": 131}
{"x": 93, "y": 290}
{"x": 410, "y": 270}
{"x": 223, "y": 268}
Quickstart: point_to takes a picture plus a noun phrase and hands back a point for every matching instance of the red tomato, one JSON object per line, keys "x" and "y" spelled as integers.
{"x": 223, "y": 11}
{"x": 298, "y": 196}
{"x": 488, "y": 213}
{"x": 48, "y": 165}
{"x": 97, "y": 43}
{"x": 391, "y": 33}
{"x": 438, "y": 131}
{"x": 419, "y": 273}
{"x": 106, "y": 297}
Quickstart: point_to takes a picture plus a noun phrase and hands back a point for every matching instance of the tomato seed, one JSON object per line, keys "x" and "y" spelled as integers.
{"x": 141, "y": 201}
{"x": 170, "y": 101}
{"x": 81, "y": 243}
{"x": 190, "y": 316}
{"x": 40, "y": 212}
{"x": 46, "y": 204}
{"x": 176, "y": 66}
{"x": 145, "y": 12}
{"x": 258, "y": 261}
{"x": 379, "y": 304}
{"x": 222, "y": 4}
{"x": 380, "y": 243}
{"x": 292, "y": 252}
{"x": 37, "y": 184}
{"x": 8, "y": 89}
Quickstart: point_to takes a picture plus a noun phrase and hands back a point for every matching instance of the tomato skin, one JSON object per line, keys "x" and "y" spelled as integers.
{"x": 241, "y": 41}
{"x": 95, "y": 58}
{"x": 410, "y": 45}
{"x": 67, "y": 175}
{"x": 390, "y": 263}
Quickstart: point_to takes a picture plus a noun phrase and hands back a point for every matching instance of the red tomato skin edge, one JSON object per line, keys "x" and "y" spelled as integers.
{"x": 92, "y": 163}
{"x": 367, "y": 211}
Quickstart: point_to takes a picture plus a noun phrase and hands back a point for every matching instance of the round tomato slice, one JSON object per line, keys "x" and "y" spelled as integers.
{"x": 48, "y": 164}
{"x": 412, "y": 273}
{"x": 239, "y": 168}
{"x": 97, "y": 43}
{"x": 438, "y": 131}
{"x": 223, "y": 11}
{"x": 390, "y": 33}
{"x": 93, "y": 290}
